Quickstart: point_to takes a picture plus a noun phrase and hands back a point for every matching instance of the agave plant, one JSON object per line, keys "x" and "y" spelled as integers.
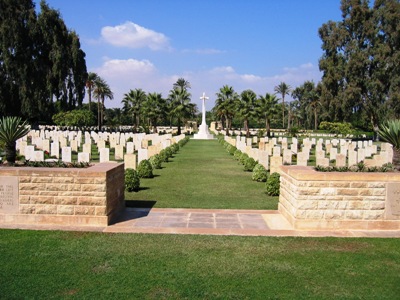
{"x": 12, "y": 129}
{"x": 390, "y": 133}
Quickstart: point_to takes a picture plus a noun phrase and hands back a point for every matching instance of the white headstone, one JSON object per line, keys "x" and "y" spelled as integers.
{"x": 83, "y": 157}
{"x": 66, "y": 154}
{"x": 104, "y": 154}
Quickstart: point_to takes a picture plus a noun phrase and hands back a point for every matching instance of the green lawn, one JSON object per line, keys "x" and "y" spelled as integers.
{"x": 203, "y": 175}
{"x": 74, "y": 265}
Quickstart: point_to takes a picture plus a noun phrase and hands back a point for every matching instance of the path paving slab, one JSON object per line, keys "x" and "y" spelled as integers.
{"x": 208, "y": 222}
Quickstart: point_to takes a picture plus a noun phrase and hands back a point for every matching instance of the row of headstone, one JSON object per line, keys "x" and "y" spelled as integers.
{"x": 274, "y": 152}
{"x": 54, "y": 142}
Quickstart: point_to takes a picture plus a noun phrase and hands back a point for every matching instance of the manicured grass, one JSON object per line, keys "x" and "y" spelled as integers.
{"x": 203, "y": 175}
{"x": 60, "y": 265}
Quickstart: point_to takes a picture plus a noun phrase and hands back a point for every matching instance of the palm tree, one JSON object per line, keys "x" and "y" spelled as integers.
{"x": 246, "y": 107}
{"x": 266, "y": 108}
{"x": 180, "y": 105}
{"x": 101, "y": 91}
{"x": 182, "y": 84}
{"x": 283, "y": 89}
{"x": 313, "y": 104}
{"x": 90, "y": 81}
{"x": 11, "y": 129}
{"x": 225, "y": 105}
{"x": 133, "y": 103}
{"x": 154, "y": 108}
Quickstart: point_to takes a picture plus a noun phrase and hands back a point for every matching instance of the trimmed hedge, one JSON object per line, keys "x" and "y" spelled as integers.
{"x": 273, "y": 184}
{"x": 132, "y": 180}
{"x": 249, "y": 164}
{"x": 156, "y": 161}
{"x": 145, "y": 170}
{"x": 260, "y": 174}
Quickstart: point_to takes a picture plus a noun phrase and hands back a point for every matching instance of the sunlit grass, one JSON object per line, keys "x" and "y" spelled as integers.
{"x": 203, "y": 175}
{"x": 58, "y": 265}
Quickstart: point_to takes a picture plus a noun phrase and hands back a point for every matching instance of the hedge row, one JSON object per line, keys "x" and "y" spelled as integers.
{"x": 146, "y": 166}
{"x": 260, "y": 174}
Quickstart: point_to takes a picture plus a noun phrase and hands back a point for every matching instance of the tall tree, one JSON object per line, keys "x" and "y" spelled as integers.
{"x": 246, "y": 108}
{"x": 41, "y": 63}
{"x": 266, "y": 109}
{"x": 154, "y": 109}
{"x": 283, "y": 89}
{"x": 225, "y": 105}
{"x": 360, "y": 63}
{"x": 182, "y": 83}
{"x": 18, "y": 21}
{"x": 133, "y": 104}
{"x": 180, "y": 105}
{"x": 302, "y": 95}
{"x": 90, "y": 81}
{"x": 101, "y": 92}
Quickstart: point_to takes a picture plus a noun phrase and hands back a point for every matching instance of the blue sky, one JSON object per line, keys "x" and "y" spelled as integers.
{"x": 149, "y": 44}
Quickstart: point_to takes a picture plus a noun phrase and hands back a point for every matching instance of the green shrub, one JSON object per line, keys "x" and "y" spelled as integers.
{"x": 243, "y": 158}
{"x": 175, "y": 148}
{"x": 237, "y": 154}
{"x": 273, "y": 184}
{"x": 260, "y": 174}
{"x": 156, "y": 161}
{"x": 232, "y": 150}
{"x": 249, "y": 164}
{"x": 145, "y": 169}
{"x": 168, "y": 150}
{"x": 132, "y": 180}
{"x": 337, "y": 127}
{"x": 163, "y": 155}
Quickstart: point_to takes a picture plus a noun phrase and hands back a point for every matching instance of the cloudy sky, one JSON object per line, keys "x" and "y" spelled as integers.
{"x": 247, "y": 44}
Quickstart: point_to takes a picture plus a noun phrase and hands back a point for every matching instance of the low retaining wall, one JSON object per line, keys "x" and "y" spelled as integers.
{"x": 335, "y": 200}
{"x": 62, "y": 196}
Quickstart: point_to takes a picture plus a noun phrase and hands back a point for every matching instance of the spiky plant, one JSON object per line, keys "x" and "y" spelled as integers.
{"x": 390, "y": 132}
{"x": 12, "y": 129}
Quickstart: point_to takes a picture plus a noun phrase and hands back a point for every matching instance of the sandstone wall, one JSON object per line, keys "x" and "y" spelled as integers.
{"x": 92, "y": 196}
{"x": 318, "y": 200}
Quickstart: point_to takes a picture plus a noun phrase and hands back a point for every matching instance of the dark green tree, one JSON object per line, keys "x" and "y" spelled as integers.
{"x": 180, "y": 106}
{"x": 90, "y": 80}
{"x": 361, "y": 62}
{"x": 283, "y": 89}
{"x": 154, "y": 109}
{"x": 246, "y": 108}
{"x": 133, "y": 104}
{"x": 101, "y": 92}
{"x": 42, "y": 67}
{"x": 266, "y": 108}
{"x": 225, "y": 106}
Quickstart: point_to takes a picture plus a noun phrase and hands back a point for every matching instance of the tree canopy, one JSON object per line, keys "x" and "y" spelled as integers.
{"x": 42, "y": 67}
{"x": 361, "y": 62}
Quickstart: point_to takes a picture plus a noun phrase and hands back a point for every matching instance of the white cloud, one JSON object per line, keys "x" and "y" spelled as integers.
{"x": 206, "y": 51}
{"x": 118, "y": 67}
{"x": 123, "y": 75}
{"x": 132, "y": 35}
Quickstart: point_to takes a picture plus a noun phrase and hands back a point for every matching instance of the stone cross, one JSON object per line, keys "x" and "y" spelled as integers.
{"x": 204, "y": 98}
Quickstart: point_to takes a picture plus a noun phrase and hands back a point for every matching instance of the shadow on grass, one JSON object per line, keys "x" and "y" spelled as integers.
{"x": 140, "y": 203}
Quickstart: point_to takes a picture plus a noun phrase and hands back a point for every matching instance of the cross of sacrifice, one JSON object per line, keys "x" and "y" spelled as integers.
{"x": 204, "y": 98}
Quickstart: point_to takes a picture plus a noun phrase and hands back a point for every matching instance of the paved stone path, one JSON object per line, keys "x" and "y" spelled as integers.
{"x": 207, "y": 221}
{"x": 222, "y": 222}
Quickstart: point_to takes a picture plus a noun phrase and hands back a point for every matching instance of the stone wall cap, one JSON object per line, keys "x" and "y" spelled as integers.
{"x": 309, "y": 173}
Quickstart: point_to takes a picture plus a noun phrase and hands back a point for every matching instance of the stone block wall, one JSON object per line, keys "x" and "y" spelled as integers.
{"x": 64, "y": 196}
{"x": 329, "y": 200}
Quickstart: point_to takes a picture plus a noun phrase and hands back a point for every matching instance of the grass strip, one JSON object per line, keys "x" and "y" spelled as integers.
{"x": 202, "y": 175}
{"x": 64, "y": 265}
